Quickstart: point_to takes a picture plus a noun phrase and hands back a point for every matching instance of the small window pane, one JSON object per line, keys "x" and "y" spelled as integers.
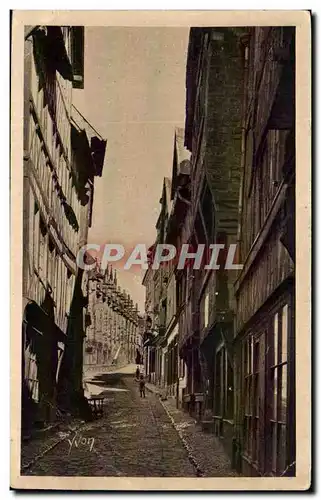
{"x": 284, "y": 394}
{"x": 255, "y": 449}
{"x": 281, "y": 449}
{"x": 230, "y": 392}
{"x": 245, "y": 358}
{"x": 249, "y": 445}
{"x": 218, "y": 383}
{"x": 246, "y": 433}
{"x": 256, "y": 355}
{"x": 256, "y": 395}
{"x": 276, "y": 331}
{"x": 275, "y": 394}
{"x": 274, "y": 447}
{"x": 284, "y": 333}
{"x": 250, "y": 370}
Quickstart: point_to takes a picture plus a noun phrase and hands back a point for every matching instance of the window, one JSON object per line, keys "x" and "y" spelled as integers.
{"x": 252, "y": 376}
{"x": 51, "y": 262}
{"x": 163, "y": 315}
{"x": 77, "y": 51}
{"x": 50, "y": 89}
{"x": 181, "y": 368}
{"x": 278, "y": 384}
{"x": 256, "y": 203}
{"x": 69, "y": 290}
{"x": 182, "y": 289}
{"x": 208, "y": 214}
{"x": 200, "y": 231}
{"x": 31, "y": 375}
{"x": 267, "y": 177}
{"x": 42, "y": 249}
{"x": 206, "y": 309}
{"x": 265, "y": 399}
{"x": 229, "y": 408}
{"x": 223, "y": 385}
{"x": 36, "y": 236}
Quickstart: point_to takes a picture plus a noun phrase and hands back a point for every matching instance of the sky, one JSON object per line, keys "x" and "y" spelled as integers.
{"x": 134, "y": 96}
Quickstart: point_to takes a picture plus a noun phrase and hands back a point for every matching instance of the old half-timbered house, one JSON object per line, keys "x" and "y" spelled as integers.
{"x": 265, "y": 342}
{"x": 213, "y": 134}
{"x": 57, "y": 210}
{"x": 51, "y": 211}
{"x": 87, "y": 161}
{"x": 149, "y": 321}
{"x": 180, "y": 204}
{"x": 156, "y": 283}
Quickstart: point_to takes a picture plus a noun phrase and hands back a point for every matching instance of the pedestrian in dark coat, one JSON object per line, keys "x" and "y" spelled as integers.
{"x": 142, "y": 386}
{"x": 137, "y": 372}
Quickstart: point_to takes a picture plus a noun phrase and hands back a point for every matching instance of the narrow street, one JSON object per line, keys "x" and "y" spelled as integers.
{"x": 134, "y": 438}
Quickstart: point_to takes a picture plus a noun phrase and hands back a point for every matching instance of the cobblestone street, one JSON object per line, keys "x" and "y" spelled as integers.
{"x": 136, "y": 437}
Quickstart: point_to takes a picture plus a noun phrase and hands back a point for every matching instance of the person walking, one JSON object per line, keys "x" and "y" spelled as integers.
{"x": 142, "y": 386}
{"x": 137, "y": 373}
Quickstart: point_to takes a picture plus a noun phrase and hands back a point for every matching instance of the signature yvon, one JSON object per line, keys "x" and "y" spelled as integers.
{"x": 79, "y": 441}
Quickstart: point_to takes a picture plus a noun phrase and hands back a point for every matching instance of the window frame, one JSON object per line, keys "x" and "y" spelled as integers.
{"x": 265, "y": 421}
{"x": 221, "y": 400}
{"x": 277, "y": 424}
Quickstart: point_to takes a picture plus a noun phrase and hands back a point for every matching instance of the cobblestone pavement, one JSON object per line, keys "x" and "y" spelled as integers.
{"x": 205, "y": 450}
{"x": 135, "y": 438}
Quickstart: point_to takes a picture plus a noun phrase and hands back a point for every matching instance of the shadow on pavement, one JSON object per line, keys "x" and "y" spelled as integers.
{"x": 110, "y": 379}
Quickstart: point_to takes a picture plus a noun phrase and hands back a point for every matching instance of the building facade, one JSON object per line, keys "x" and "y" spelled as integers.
{"x": 264, "y": 331}
{"x": 57, "y": 195}
{"x": 213, "y": 133}
{"x": 163, "y": 366}
{"x": 113, "y": 324}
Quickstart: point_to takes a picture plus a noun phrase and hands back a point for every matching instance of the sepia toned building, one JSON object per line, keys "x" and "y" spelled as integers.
{"x": 265, "y": 294}
{"x": 180, "y": 205}
{"x": 112, "y": 324}
{"x": 59, "y": 175}
{"x": 161, "y": 293}
{"x": 167, "y": 371}
{"x": 213, "y": 133}
{"x": 88, "y": 153}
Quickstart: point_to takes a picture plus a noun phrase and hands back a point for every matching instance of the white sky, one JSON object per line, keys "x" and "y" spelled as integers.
{"x": 134, "y": 96}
